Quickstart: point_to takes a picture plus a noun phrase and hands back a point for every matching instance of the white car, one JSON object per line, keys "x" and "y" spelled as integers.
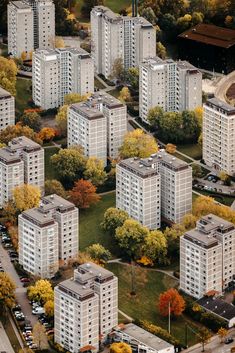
{"x": 38, "y": 311}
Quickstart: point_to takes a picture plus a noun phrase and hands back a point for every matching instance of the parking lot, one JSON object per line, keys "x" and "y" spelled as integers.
{"x": 213, "y": 183}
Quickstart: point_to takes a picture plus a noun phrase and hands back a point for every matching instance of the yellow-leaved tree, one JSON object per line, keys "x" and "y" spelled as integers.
{"x": 138, "y": 144}
{"x": 8, "y": 72}
{"x": 49, "y": 308}
{"x": 41, "y": 291}
{"x": 61, "y": 119}
{"x": 26, "y": 196}
{"x": 120, "y": 347}
{"x": 7, "y": 291}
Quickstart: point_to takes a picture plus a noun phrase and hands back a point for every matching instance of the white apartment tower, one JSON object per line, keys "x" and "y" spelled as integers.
{"x": 155, "y": 187}
{"x": 48, "y": 234}
{"x": 113, "y": 36}
{"x": 174, "y": 86}
{"x": 31, "y": 25}
{"x": 207, "y": 257}
{"x": 219, "y": 135}
{"x": 20, "y": 28}
{"x": 59, "y": 72}
{"x": 21, "y": 162}
{"x": 138, "y": 191}
{"x": 7, "y": 109}
{"x": 112, "y": 126}
{"x": 86, "y": 308}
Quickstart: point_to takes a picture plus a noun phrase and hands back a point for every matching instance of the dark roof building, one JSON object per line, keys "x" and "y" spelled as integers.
{"x": 208, "y": 47}
{"x": 220, "y": 308}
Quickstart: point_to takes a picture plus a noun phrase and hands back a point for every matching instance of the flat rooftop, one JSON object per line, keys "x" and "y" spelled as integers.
{"x": 4, "y": 93}
{"x": 146, "y": 337}
{"x": 201, "y": 239}
{"x": 38, "y": 217}
{"x": 138, "y": 167}
{"x": 95, "y": 269}
{"x": 54, "y": 201}
{"x": 211, "y": 35}
{"x": 170, "y": 161}
{"x": 21, "y": 5}
{"x": 71, "y": 285}
{"x": 22, "y": 142}
{"x": 105, "y": 98}
{"x": 219, "y": 104}
{"x": 218, "y": 307}
{"x": 90, "y": 113}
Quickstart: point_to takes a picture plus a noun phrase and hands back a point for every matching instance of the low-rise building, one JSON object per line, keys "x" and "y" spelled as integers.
{"x": 48, "y": 234}
{"x": 86, "y": 308}
{"x": 21, "y": 162}
{"x": 7, "y": 109}
{"x": 140, "y": 340}
{"x": 207, "y": 257}
{"x": 98, "y": 125}
{"x": 58, "y": 72}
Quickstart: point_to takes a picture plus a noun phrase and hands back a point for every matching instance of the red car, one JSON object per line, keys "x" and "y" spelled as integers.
{"x": 25, "y": 280}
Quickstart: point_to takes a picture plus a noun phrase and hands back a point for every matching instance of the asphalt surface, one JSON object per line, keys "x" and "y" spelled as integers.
{"x": 21, "y": 296}
{"x": 5, "y": 345}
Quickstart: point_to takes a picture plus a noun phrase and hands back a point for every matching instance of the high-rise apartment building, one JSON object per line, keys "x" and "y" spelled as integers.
{"x": 86, "y": 308}
{"x": 155, "y": 187}
{"x": 20, "y": 28}
{"x": 7, "y": 109}
{"x": 207, "y": 257}
{"x": 98, "y": 125}
{"x": 219, "y": 135}
{"x": 174, "y": 86}
{"x": 31, "y": 25}
{"x": 113, "y": 36}
{"x": 48, "y": 234}
{"x": 138, "y": 190}
{"x": 59, "y": 72}
{"x": 21, "y": 162}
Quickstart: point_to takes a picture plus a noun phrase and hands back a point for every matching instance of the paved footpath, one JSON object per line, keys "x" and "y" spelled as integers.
{"x": 5, "y": 345}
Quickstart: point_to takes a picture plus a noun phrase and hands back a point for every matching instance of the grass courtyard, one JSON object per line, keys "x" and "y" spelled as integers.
{"x": 23, "y": 94}
{"x": 114, "y": 5}
{"x": 144, "y": 304}
{"x": 192, "y": 150}
{"x": 50, "y": 172}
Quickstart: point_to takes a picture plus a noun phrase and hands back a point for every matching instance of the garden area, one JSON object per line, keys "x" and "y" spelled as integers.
{"x": 192, "y": 150}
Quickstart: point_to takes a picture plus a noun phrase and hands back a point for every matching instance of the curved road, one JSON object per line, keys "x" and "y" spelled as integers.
{"x": 224, "y": 85}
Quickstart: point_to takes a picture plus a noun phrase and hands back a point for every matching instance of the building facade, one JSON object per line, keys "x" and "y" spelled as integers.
{"x": 86, "y": 308}
{"x": 131, "y": 39}
{"x": 160, "y": 186}
{"x": 48, "y": 234}
{"x": 207, "y": 256}
{"x": 59, "y": 72}
{"x": 219, "y": 135}
{"x": 174, "y": 86}
{"x": 31, "y": 25}
{"x": 21, "y": 162}
{"x": 138, "y": 191}
{"x": 7, "y": 109}
{"x": 98, "y": 125}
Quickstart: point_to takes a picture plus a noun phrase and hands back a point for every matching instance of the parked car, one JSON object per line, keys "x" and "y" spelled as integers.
{"x": 38, "y": 311}
{"x": 24, "y": 279}
{"x": 228, "y": 340}
{"x": 17, "y": 307}
{"x": 33, "y": 346}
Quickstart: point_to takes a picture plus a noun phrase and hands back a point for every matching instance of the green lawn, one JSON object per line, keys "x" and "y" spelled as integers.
{"x": 193, "y": 150}
{"x": 115, "y": 92}
{"x": 98, "y": 84}
{"x": 3, "y": 49}
{"x": 23, "y": 94}
{"x": 90, "y": 231}
{"x": 115, "y": 5}
{"x": 185, "y": 159}
{"x": 144, "y": 305}
{"x": 50, "y": 172}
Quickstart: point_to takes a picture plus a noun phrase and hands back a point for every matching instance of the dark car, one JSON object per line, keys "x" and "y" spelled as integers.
{"x": 228, "y": 340}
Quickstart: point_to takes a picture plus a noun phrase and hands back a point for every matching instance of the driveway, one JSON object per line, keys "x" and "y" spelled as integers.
{"x": 21, "y": 296}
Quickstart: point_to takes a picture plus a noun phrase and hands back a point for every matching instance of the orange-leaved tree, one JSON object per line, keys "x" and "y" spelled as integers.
{"x": 47, "y": 134}
{"x": 171, "y": 299}
{"x": 84, "y": 194}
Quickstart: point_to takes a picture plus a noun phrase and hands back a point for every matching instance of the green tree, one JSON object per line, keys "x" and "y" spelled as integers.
{"x": 63, "y": 25}
{"x": 197, "y": 170}
{"x": 98, "y": 252}
{"x": 173, "y": 235}
{"x": 72, "y": 98}
{"x": 94, "y": 171}
{"x": 131, "y": 237}
{"x": 54, "y": 187}
{"x": 154, "y": 115}
{"x": 184, "y": 23}
{"x": 33, "y": 120}
{"x": 8, "y": 72}
{"x": 170, "y": 125}
{"x": 132, "y": 77}
{"x": 148, "y": 13}
{"x": 69, "y": 163}
{"x": 161, "y": 50}
{"x": 113, "y": 218}
{"x": 155, "y": 246}
{"x": 138, "y": 144}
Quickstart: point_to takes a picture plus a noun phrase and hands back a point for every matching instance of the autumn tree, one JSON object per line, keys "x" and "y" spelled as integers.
{"x": 113, "y": 218}
{"x": 54, "y": 187}
{"x": 26, "y": 350}
{"x": 8, "y": 72}
{"x": 189, "y": 221}
{"x": 120, "y": 347}
{"x": 7, "y": 291}
{"x": 154, "y": 115}
{"x": 170, "y": 148}
{"x": 41, "y": 291}
{"x": 222, "y": 333}
{"x": 98, "y": 252}
{"x": 132, "y": 77}
{"x": 72, "y": 98}
{"x": 39, "y": 336}
{"x": 61, "y": 119}
{"x": 10, "y": 132}
{"x": 171, "y": 301}
{"x": 173, "y": 235}
{"x": 135, "y": 276}
{"x": 161, "y": 50}
{"x": 204, "y": 336}
{"x": 117, "y": 71}
{"x": 32, "y": 120}
{"x": 155, "y": 246}
{"x": 49, "y": 308}
{"x": 59, "y": 42}
{"x": 69, "y": 163}
{"x": 8, "y": 214}
{"x": 26, "y": 196}
{"x": 131, "y": 237}
{"x": 83, "y": 194}
{"x": 13, "y": 233}
{"x": 138, "y": 144}
{"x": 47, "y": 134}
{"x": 94, "y": 171}
{"x": 125, "y": 95}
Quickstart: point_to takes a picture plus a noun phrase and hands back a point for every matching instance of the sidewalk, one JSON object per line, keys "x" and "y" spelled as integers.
{"x": 5, "y": 345}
